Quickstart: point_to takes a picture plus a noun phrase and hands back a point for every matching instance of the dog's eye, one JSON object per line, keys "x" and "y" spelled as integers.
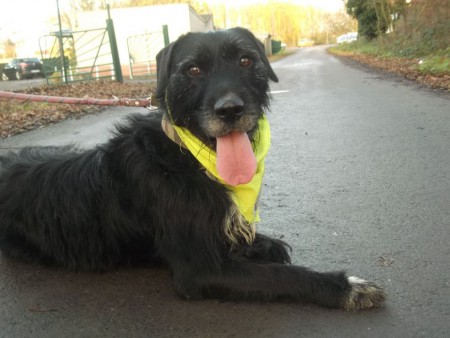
{"x": 245, "y": 62}
{"x": 194, "y": 71}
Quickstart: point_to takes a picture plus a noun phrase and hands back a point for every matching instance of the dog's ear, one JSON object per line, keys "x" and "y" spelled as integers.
{"x": 261, "y": 51}
{"x": 163, "y": 71}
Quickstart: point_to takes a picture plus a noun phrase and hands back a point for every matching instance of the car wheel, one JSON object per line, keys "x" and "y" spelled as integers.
{"x": 5, "y": 77}
{"x": 18, "y": 75}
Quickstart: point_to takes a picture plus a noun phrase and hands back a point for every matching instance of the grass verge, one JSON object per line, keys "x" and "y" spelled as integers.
{"x": 426, "y": 66}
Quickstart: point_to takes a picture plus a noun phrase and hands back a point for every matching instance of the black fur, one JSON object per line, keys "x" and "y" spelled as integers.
{"x": 140, "y": 198}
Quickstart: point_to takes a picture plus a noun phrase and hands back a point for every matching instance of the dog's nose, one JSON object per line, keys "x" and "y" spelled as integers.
{"x": 229, "y": 107}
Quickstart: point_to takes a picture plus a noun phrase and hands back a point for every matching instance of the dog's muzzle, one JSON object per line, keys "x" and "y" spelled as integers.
{"x": 229, "y": 108}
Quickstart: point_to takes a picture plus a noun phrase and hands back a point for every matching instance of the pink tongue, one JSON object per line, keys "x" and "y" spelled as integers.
{"x": 236, "y": 162}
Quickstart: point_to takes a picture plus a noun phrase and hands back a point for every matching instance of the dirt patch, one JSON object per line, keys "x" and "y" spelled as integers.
{"x": 17, "y": 117}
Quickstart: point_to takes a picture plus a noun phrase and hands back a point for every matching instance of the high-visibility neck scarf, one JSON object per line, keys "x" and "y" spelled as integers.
{"x": 245, "y": 196}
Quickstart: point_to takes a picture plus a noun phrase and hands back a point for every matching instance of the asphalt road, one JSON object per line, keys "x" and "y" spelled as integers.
{"x": 358, "y": 178}
{"x": 22, "y": 84}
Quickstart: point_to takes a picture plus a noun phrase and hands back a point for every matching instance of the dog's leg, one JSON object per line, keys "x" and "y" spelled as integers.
{"x": 266, "y": 249}
{"x": 244, "y": 279}
{"x": 274, "y": 281}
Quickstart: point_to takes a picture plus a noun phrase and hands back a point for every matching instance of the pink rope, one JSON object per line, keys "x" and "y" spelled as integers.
{"x": 71, "y": 100}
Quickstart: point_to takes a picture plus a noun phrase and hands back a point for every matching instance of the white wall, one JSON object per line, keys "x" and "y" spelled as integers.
{"x": 180, "y": 18}
{"x": 198, "y": 24}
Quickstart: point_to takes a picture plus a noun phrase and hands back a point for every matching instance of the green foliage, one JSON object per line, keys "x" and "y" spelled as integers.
{"x": 432, "y": 61}
{"x": 362, "y": 46}
{"x": 375, "y": 17}
{"x": 365, "y": 14}
{"x": 436, "y": 64}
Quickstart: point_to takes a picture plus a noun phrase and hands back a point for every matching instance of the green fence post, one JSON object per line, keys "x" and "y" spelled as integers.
{"x": 166, "y": 35}
{"x": 114, "y": 49}
{"x": 61, "y": 47}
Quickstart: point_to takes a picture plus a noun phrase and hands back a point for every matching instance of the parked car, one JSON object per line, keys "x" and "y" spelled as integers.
{"x": 23, "y": 68}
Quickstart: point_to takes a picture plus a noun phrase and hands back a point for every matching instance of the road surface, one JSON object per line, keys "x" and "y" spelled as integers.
{"x": 358, "y": 178}
{"x": 22, "y": 84}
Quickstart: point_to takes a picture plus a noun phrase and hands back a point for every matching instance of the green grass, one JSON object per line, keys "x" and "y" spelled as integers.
{"x": 358, "y": 47}
{"x": 432, "y": 61}
{"x": 437, "y": 63}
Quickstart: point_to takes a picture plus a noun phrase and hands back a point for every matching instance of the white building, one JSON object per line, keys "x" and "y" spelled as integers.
{"x": 132, "y": 23}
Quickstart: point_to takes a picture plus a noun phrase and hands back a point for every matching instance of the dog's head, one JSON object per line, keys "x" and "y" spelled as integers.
{"x": 214, "y": 83}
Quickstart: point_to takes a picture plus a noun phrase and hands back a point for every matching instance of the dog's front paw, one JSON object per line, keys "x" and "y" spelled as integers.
{"x": 363, "y": 295}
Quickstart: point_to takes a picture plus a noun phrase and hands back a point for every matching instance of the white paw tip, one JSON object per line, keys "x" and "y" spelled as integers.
{"x": 356, "y": 280}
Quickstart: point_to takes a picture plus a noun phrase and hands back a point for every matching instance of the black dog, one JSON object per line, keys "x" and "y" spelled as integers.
{"x": 145, "y": 196}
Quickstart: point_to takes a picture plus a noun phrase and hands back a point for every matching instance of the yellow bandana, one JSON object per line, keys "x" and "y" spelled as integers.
{"x": 245, "y": 196}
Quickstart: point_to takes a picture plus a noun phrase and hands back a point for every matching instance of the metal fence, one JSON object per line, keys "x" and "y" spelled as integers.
{"x": 71, "y": 56}
{"x": 87, "y": 56}
{"x": 142, "y": 50}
